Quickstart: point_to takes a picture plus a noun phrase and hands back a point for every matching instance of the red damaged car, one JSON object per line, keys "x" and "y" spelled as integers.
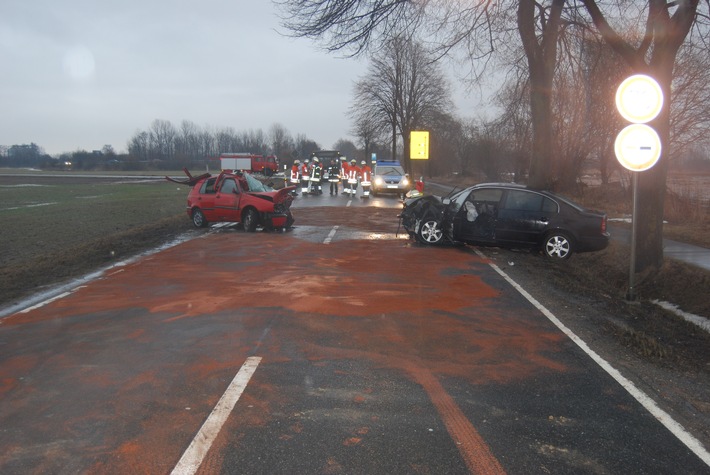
{"x": 239, "y": 198}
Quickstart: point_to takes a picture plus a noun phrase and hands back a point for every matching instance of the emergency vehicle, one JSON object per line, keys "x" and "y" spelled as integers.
{"x": 389, "y": 177}
{"x": 268, "y": 165}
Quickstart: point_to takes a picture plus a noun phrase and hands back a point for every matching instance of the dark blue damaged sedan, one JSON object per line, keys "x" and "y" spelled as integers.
{"x": 506, "y": 215}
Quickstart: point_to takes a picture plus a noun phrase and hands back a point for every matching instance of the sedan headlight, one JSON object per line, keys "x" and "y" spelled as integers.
{"x": 379, "y": 181}
{"x": 404, "y": 181}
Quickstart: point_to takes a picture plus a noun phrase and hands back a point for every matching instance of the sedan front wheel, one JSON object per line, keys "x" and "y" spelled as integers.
{"x": 557, "y": 246}
{"x": 430, "y": 232}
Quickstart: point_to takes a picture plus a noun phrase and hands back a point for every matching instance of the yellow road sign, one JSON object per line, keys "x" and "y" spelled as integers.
{"x": 419, "y": 145}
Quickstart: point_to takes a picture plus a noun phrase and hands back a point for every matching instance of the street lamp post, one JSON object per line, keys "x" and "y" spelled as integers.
{"x": 639, "y": 100}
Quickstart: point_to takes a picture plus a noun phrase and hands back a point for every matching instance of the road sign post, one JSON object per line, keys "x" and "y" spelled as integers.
{"x": 639, "y": 100}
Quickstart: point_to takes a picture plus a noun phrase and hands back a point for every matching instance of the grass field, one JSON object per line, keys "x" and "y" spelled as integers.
{"x": 59, "y": 228}
{"x": 40, "y": 217}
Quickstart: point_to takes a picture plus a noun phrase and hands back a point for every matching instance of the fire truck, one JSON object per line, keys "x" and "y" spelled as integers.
{"x": 268, "y": 165}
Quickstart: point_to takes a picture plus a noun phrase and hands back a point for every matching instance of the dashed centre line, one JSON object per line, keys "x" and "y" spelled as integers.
{"x": 331, "y": 234}
{"x": 199, "y": 447}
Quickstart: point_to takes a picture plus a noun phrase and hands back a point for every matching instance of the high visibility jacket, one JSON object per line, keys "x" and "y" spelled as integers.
{"x": 365, "y": 175}
{"x": 353, "y": 173}
{"x": 294, "y": 174}
{"x": 316, "y": 172}
{"x": 344, "y": 169}
{"x": 305, "y": 172}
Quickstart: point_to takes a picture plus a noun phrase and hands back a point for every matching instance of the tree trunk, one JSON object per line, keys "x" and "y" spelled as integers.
{"x": 542, "y": 58}
{"x": 541, "y": 167}
{"x": 406, "y": 160}
{"x": 652, "y": 182}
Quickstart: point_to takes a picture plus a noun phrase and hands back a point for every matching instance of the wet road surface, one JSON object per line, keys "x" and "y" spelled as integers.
{"x": 368, "y": 354}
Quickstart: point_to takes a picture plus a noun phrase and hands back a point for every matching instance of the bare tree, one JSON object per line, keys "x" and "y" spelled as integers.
{"x": 138, "y": 146}
{"x": 690, "y": 106}
{"x": 446, "y": 131}
{"x": 226, "y": 141}
{"x": 348, "y": 149}
{"x": 598, "y": 74}
{"x": 207, "y": 146}
{"x": 252, "y": 141}
{"x": 162, "y": 139}
{"x": 187, "y": 142}
{"x": 367, "y": 129}
{"x": 515, "y": 124}
{"x": 304, "y": 147}
{"x": 403, "y": 89}
{"x": 479, "y": 28}
{"x": 351, "y": 25}
{"x": 280, "y": 139}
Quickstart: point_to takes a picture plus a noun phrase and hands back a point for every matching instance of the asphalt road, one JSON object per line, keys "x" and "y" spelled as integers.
{"x": 337, "y": 347}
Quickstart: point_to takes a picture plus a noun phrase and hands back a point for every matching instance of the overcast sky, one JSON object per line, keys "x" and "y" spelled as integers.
{"x": 80, "y": 74}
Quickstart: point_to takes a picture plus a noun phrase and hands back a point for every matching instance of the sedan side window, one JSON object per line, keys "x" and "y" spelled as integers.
{"x": 549, "y": 206}
{"x": 486, "y": 200}
{"x": 523, "y": 201}
{"x": 488, "y": 195}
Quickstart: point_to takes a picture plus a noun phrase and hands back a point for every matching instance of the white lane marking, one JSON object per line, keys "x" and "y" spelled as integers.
{"x": 331, "y": 234}
{"x": 662, "y": 416}
{"x": 28, "y": 206}
{"x": 200, "y": 445}
{"x": 45, "y": 302}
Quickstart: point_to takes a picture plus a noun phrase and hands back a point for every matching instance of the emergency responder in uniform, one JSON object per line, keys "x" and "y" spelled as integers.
{"x": 334, "y": 176}
{"x": 305, "y": 177}
{"x": 365, "y": 177}
{"x": 344, "y": 174}
{"x": 353, "y": 175}
{"x": 316, "y": 174}
{"x": 295, "y": 175}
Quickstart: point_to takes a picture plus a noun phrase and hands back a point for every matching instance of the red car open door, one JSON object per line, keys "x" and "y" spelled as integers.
{"x": 227, "y": 200}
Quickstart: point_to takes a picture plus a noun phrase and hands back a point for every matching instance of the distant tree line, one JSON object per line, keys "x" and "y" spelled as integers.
{"x": 167, "y": 145}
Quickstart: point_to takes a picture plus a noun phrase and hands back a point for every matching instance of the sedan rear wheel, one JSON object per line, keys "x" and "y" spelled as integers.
{"x": 557, "y": 246}
{"x": 430, "y": 232}
{"x": 198, "y": 218}
{"x": 250, "y": 220}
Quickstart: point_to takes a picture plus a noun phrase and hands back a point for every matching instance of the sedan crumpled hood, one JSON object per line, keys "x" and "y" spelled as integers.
{"x": 417, "y": 201}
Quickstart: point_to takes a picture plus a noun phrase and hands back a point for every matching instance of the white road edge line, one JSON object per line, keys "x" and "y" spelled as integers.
{"x": 331, "y": 234}
{"x": 46, "y": 302}
{"x": 200, "y": 445}
{"x": 662, "y": 416}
